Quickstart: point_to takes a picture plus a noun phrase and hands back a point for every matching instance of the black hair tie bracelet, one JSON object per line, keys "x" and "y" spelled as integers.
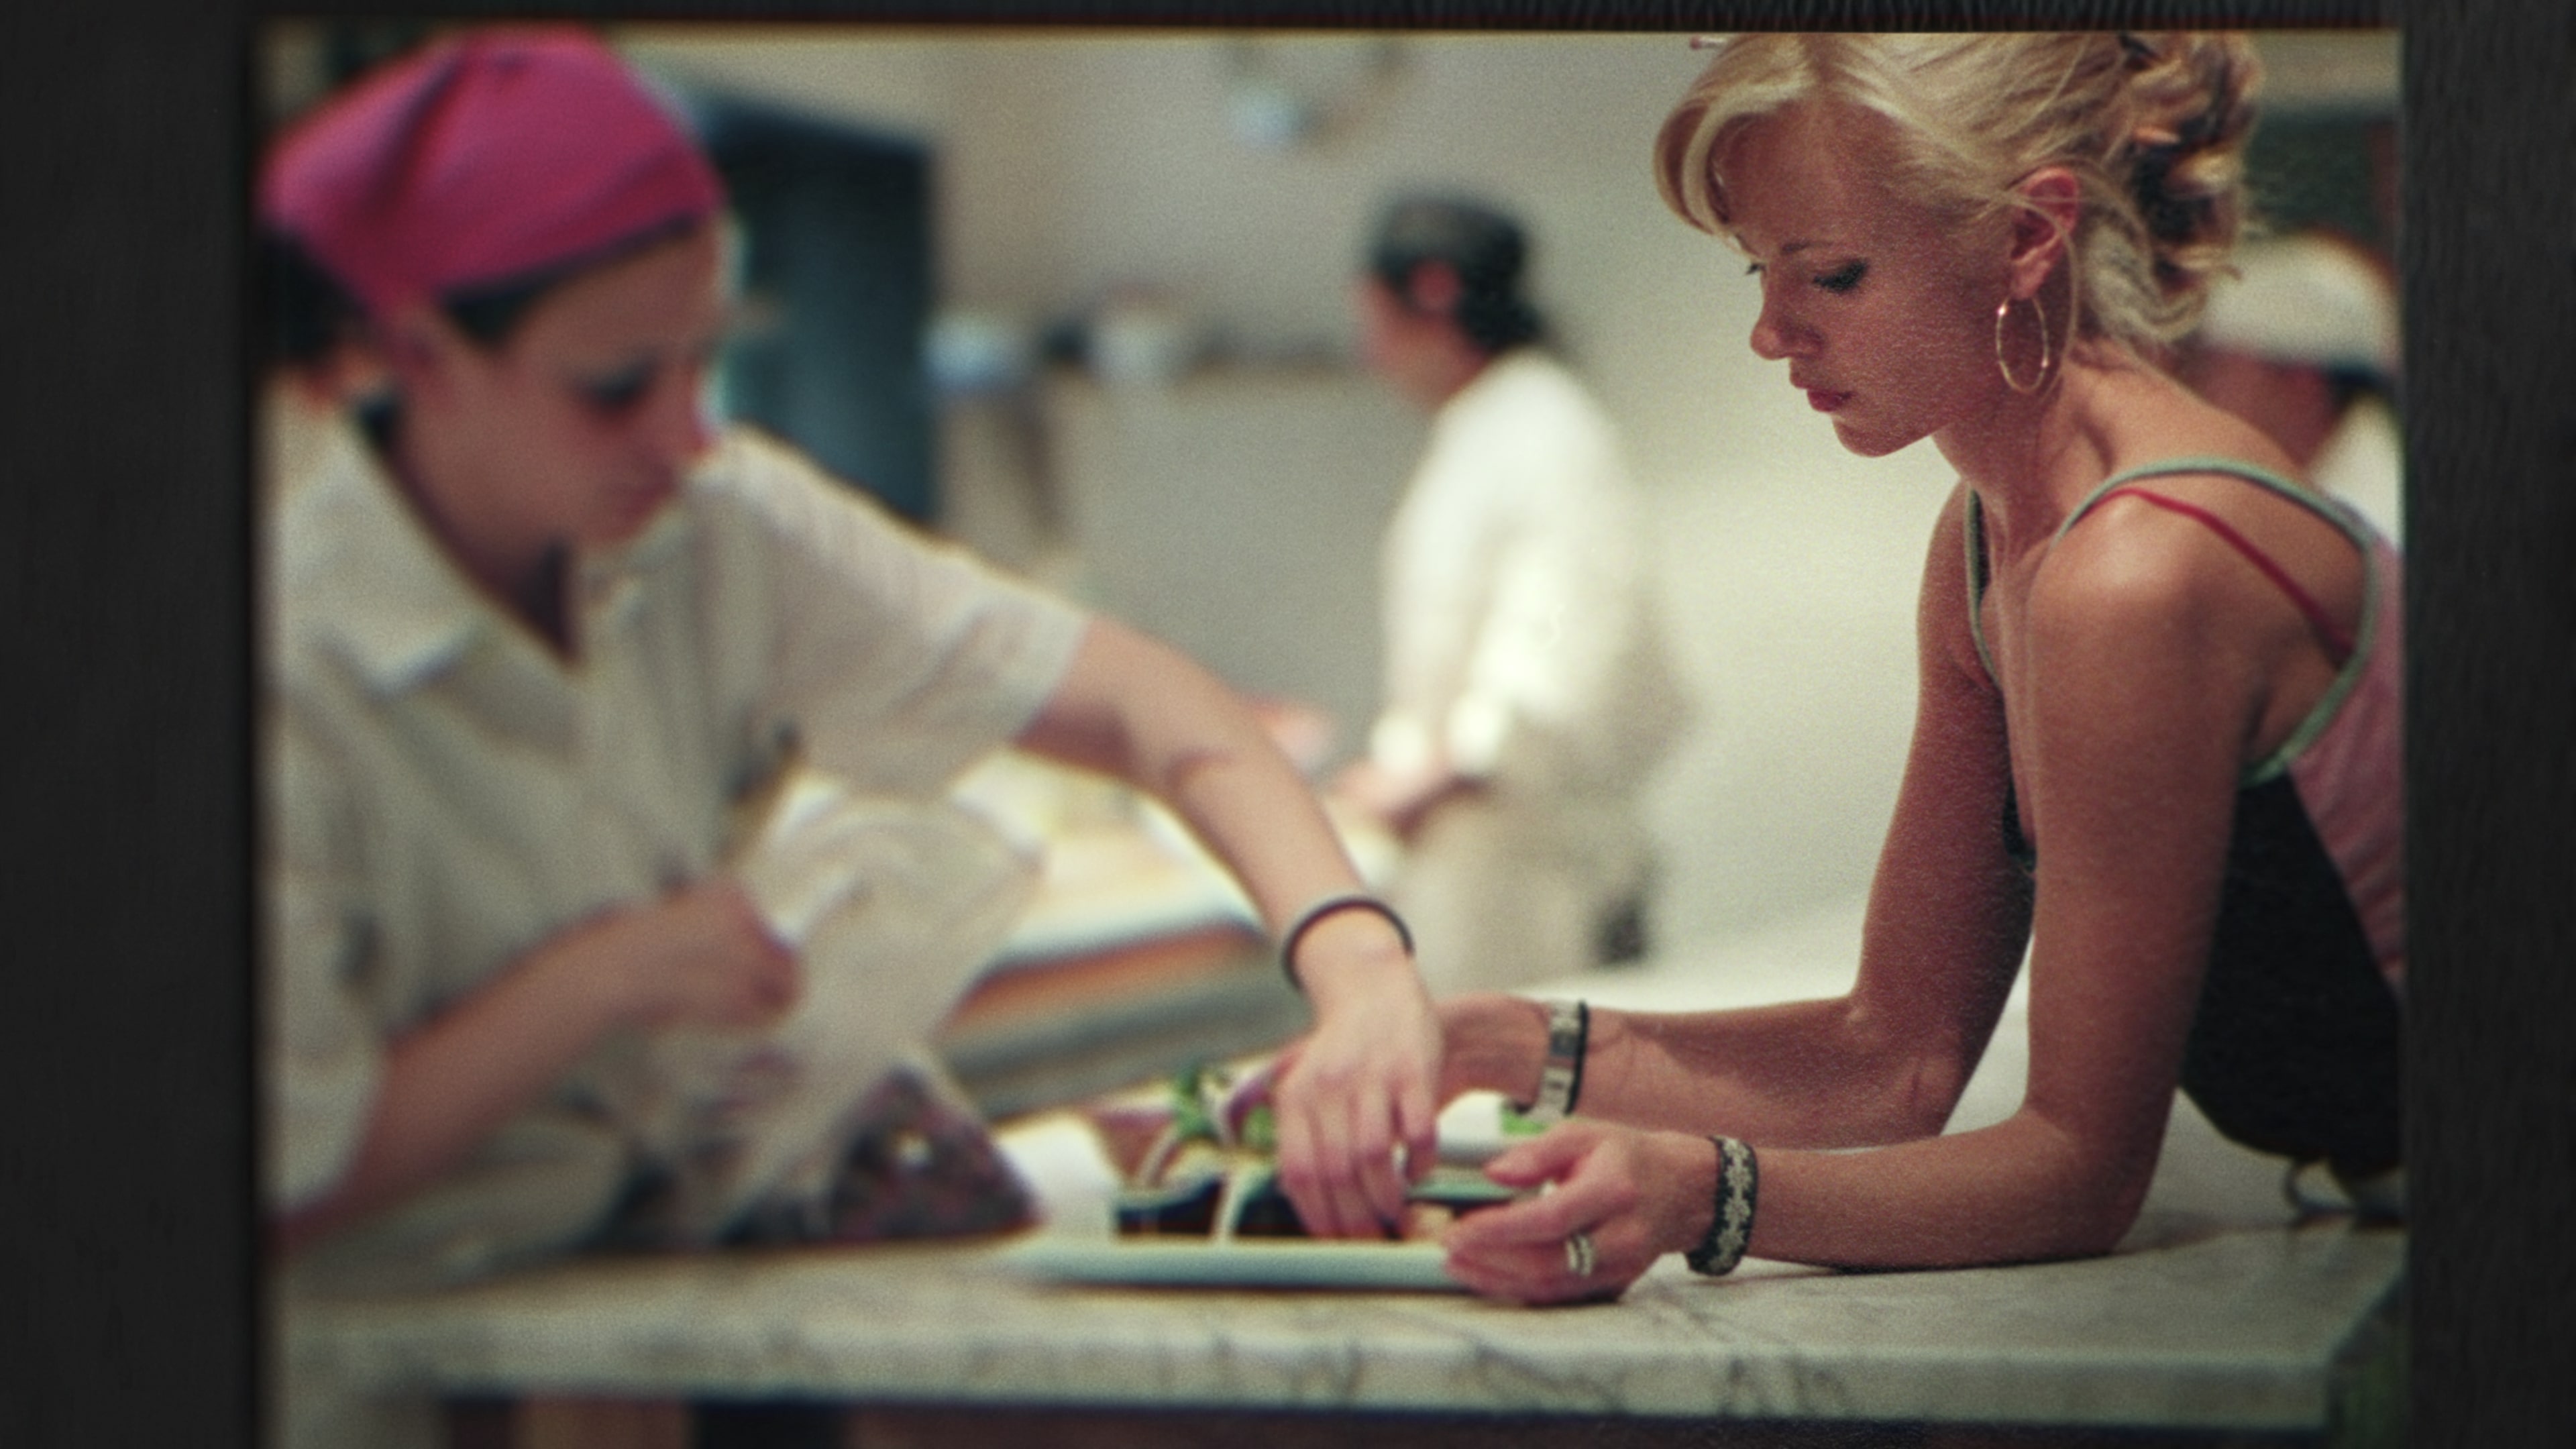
{"x": 1332, "y": 906}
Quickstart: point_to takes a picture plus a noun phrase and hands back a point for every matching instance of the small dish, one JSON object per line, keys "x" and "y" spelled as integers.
{"x": 1241, "y": 1263}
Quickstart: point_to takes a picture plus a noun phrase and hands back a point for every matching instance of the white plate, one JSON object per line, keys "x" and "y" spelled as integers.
{"x": 1243, "y": 1263}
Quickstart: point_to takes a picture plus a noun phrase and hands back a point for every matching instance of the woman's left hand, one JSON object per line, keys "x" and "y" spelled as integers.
{"x": 1400, "y": 801}
{"x": 1357, "y": 1089}
{"x": 1633, "y": 1196}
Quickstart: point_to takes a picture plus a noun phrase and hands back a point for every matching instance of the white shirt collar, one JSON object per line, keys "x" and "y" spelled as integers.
{"x": 375, "y": 587}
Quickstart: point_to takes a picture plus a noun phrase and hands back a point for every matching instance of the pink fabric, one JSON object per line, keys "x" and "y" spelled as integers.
{"x": 479, "y": 160}
{"x": 2345, "y": 780}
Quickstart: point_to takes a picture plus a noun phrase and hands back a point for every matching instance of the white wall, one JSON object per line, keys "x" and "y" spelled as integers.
{"x": 1069, "y": 164}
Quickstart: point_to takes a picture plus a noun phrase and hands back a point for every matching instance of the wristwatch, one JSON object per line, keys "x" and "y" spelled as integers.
{"x": 1560, "y": 1077}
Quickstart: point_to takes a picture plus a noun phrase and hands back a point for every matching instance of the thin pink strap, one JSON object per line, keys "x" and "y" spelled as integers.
{"x": 2339, "y": 642}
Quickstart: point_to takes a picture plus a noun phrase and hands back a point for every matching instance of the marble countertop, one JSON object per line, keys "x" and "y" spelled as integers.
{"x": 2218, "y": 1312}
{"x": 2211, "y": 1329}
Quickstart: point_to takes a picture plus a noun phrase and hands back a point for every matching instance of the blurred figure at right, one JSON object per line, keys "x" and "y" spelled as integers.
{"x": 2303, "y": 344}
{"x": 1528, "y": 695}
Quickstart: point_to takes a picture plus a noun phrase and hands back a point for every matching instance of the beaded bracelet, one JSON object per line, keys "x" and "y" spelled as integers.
{"x": 1731, "y": 1227}
{"x": 1333, "y": 905}
{"x": 1560, "y": 1078}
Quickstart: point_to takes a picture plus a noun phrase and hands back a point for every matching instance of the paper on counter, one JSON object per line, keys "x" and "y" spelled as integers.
{"x": 894, "y": 907}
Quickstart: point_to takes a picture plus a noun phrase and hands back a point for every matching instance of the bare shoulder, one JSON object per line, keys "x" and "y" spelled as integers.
{"x": 2159, "y": 543}
{"x": 2213, "y": 549}
{"x": 2147, "y": 610}
{"x": 2251, "y": 488}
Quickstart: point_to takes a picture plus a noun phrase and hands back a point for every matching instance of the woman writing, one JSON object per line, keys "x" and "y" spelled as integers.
{"x": 530, "y": 642}
{"x": 2157, "y": 733}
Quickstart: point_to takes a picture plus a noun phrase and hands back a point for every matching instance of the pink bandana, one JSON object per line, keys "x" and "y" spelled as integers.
{"x": 480, "y": 160}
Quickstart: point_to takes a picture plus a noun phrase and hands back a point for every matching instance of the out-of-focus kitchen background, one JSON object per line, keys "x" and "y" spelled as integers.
{"x": 1080, "y": 299}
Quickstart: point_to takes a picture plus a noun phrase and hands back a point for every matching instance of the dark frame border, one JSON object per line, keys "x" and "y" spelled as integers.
{"x": 125, "y": 549}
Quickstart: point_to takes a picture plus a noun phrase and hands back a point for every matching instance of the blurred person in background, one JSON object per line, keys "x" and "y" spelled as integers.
{"x": 540, "y": 631}
{"x": 2302, "y": 343}
{"x": 1528, "y": 696}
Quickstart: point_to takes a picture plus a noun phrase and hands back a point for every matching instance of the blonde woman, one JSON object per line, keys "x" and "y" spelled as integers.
{"x": 2157, "y": 737}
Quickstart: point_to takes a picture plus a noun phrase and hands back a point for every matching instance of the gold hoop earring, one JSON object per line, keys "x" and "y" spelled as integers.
{"x": 2046, "y": 355}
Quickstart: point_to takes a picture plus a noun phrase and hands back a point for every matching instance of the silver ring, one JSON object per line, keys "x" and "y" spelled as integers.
{"x": 1579, "y": 1255}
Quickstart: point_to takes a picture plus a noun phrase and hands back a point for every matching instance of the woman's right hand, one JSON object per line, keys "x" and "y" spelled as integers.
{"x": 698, "y": 955}
{"x": 1360, "y": 1086}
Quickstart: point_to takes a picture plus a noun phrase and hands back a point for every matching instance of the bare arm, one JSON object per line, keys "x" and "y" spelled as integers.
{"x": 698, "y": 955}
{"x": 1362, "y": 1084}
{"x": 2144, "y": 694}
{"x": 1948, "y": 915}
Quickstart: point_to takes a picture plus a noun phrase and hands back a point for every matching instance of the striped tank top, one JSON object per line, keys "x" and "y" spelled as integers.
{"x": 2294, "y": 1046}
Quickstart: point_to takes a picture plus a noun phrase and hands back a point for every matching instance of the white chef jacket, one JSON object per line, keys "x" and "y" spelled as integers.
{"x": 445, "y": 793}
{"x": 1522, "y": 642}
{"x": 2363, "y": 462}
{"x": 1519, "y": 622}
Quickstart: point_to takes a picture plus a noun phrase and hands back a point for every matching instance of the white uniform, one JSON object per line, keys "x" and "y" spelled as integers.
{"x": 2363, "y": 462}
{"x": 446, "y": 793}
{"x": 1523, "y": 641}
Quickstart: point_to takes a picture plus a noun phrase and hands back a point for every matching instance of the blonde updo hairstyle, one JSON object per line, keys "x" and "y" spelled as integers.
{"x": 2152, "y": 127}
